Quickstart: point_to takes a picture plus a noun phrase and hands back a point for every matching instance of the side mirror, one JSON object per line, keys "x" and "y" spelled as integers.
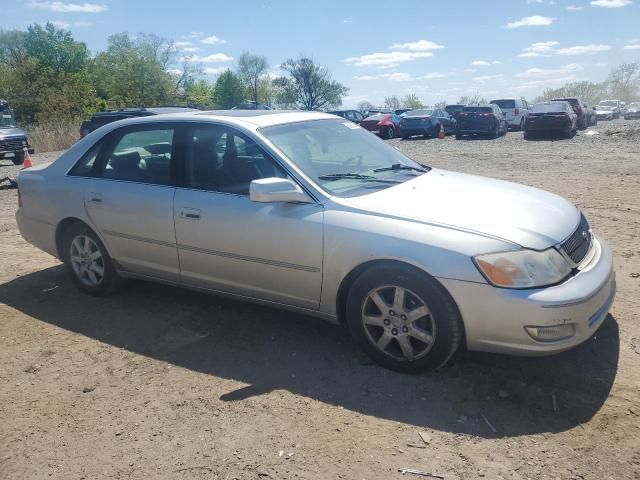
{"x": 274, "y": 189}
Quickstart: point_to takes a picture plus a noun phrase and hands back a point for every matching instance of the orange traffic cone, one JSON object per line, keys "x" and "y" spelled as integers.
{"x": 27, "y": 159}
{"x": 441, "y": 133}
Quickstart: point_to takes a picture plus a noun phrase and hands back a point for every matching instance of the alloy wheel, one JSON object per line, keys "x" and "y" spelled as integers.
{"x": 87, "y": 260}
{"x": 398, "y": 322}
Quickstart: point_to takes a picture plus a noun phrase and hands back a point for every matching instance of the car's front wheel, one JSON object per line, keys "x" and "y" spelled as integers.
{"x": 403, "y": 319}
{"x": 88, "y": 262}
{"x": 18, "y": 159}
{"x": 388, "y": 133}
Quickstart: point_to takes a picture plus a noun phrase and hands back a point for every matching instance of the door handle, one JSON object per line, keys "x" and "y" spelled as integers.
{"x": 190, "y": 213}
{"x": 95, "y": 197}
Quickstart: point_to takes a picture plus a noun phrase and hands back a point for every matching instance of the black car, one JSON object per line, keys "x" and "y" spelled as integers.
{"x": 454, "y": 109}
{"x": 99, "y": 119}
{"x": 13, "y": 140}
{"x": 426, "y": 122}
{"x": 354, "y": 115}
{"x": 481, "y": 120}
{"x": 252, "y": 105}
{"x": 550, "y": 118}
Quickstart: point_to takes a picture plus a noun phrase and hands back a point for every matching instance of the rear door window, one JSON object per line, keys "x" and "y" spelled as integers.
{"x": 141, "y": 156}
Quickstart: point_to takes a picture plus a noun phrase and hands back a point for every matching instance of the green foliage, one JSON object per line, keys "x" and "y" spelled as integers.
{"x": 133, "y": 72}
{"x": 587, "y": 91}
{"x": 200, "y": 94}
{"x": 312, "y": 85}
{"x": 284, "y": 93}
{"x": 412, "y": 101}
{"x": 472, "y": 100}
{"x": 229, "y": 91}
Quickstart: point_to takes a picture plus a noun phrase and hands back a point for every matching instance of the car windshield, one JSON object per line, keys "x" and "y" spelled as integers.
{"x": 7, "y": 119}
{"x": 608, "y": 103}
{"x": 634, "y": 105}
{"x": 553, "y": 107}
{"x": 341, "y": 157}
{"x": 376, "y": 116}
{"x": 421, "y": 113}
{"x": 504, "y": 103}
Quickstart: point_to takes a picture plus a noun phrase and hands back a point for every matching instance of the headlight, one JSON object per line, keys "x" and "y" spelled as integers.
{"x": 523, "y": 268}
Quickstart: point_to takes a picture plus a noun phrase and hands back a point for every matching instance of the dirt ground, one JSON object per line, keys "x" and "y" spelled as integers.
{"x": 157, "y": 382}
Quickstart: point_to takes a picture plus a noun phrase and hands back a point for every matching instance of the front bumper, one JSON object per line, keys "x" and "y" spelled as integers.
{"x": 608, "y": 116}
{"x": 495, "y": 318}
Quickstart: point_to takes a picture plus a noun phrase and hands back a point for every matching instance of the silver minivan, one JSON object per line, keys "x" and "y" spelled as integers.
{"x": 515, "y": 111}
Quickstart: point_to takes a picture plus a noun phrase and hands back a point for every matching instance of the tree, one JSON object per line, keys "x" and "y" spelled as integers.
{"x": 250, "y": 69}
{"x": 472, "y": 100}
{"x": 228, "y": 91}
{"x": 392, "y": 102}
{"x": 284, "y": 93}
{"x": 624, "y": 82}
{"x": 411, "y": 101}
{"x": 588, "y": 91}
{"x": 312, "y": 84}
{"x": 365, "y": 106}
{"x": 200, "y": 94}
{"x": 440, "y": 105}
{"x": 134, "y": 72}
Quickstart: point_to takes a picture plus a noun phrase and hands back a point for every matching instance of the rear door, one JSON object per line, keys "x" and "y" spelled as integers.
{"x": 226, "y": 242}
{"x": 129, "y": 199}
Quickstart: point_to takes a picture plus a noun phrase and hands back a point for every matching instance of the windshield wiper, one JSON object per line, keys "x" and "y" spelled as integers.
{"x": 357, "y": 176}
{"x": 400, "y": 166}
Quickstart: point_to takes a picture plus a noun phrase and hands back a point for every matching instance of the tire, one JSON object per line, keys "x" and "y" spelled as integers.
{"x": 85, "y": 256}
{"x": 435, "y": 133}
{"x": 496, "y": 132}
{"x": 425, "y": 343}
{"x": 521, "y": 127}
{"x": 458, "y": 136}
{"x": 388, "y": 133}
{"x": 18, "y": 159}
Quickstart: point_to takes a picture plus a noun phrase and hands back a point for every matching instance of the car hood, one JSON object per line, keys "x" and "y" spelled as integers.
{"x": 516, "y": 213}
{"x": 11, "y": 132}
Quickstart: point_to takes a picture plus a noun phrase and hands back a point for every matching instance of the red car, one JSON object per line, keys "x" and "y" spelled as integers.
{"x": 387, "y": 125}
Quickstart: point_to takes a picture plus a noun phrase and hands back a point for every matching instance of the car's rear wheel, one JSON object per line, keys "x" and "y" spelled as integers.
{"x": 88, "y": 262}
{"x": 458, "y": 136}
{"x": 403, "y": 319}
{"x": 388, "y": 133}
{"x": 496, "y": 131}
{"x": 18, "y": 159}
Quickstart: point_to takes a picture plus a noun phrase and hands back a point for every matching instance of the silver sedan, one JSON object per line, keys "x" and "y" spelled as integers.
{"x": 312, "y": 213}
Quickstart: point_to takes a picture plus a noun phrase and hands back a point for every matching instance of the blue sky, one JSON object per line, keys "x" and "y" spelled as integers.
{"x": 437, "y": 49}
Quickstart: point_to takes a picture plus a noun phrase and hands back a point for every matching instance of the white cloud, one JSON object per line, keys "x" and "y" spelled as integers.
{"x": 346, "y": 21}
{"x": 183, "y": 44}
{"x": 65, "y": 25}
{"x": 470, "y": 70}
{"x": 386, "y": 59}
{"x": 433, "y": 75}
{"x": 611, "y": 3}
{"x": 634, "y": 45}
{"x": 480, "y": 63}
{"x": 214, "y": 70}
{"x": 189, "y": 49}
{"x": 583, "y": 49}
{"x": 549, "y": 73}
{"x": 574, "y": 7}
{"x": 487, "y": 78}
{"x": 533, "y": 21}
{"x": 213, "y": 40}
{"x": 365, "y": 78}
{"x": 397, "y": 76}
{"x": 174, "y": 71}
{"x": 419, "y": 46}
{"x": 59, "y": 24}
{"x": 213, "y": 58}
{"x": 196, "y": 34}
{"x": 70, "y": 7}
{"x": 547, "y": 49}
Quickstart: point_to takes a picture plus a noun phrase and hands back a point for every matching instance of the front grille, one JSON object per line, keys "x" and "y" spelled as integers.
{"x": 11, "y": 144}
{"x": 578, "y": 244}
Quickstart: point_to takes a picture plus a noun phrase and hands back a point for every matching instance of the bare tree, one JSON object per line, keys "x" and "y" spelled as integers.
{"x": 624, "y": 82}
{"x": 250, "y": 68}
{"x": 365, "y": 106}
{"x": 472, "y": 100}
{"x": 392, "y": 102}
{"x": 441, "y": 104}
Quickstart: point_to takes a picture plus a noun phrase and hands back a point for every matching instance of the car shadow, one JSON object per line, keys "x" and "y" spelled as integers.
{"x": 270, "y": 349}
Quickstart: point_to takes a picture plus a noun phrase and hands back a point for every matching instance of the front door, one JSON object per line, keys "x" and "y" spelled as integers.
{"x": 228, "y": 243}
{"x": 130, "y": 200}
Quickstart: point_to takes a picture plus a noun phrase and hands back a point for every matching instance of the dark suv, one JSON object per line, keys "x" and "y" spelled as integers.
{"x": 99, "y": 119}
{"x": 13, "y": 140}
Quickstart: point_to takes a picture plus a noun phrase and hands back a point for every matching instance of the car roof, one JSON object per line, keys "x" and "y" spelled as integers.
{"x": 251, "y": 119}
